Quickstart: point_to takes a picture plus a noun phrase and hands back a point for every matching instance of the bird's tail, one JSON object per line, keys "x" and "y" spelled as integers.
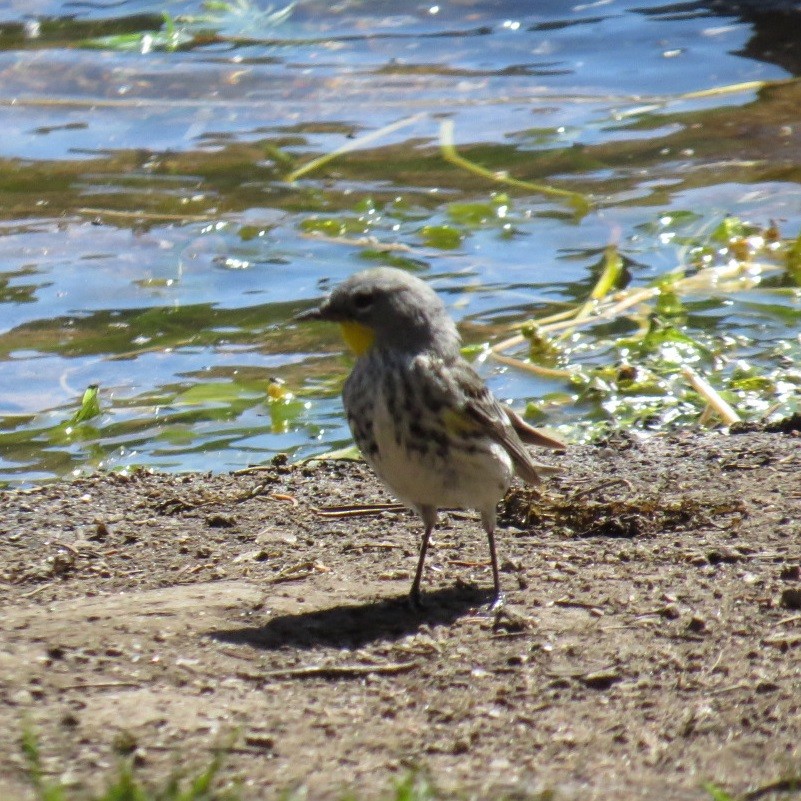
{"x": 531, "y": 435}
{"x": 533, "y": 472}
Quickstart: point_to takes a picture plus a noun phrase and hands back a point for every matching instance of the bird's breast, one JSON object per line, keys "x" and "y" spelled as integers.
{"x": 425, "y": 465}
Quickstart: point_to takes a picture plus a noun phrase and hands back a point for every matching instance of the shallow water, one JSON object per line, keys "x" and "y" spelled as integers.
{"x": 151, "y": 243}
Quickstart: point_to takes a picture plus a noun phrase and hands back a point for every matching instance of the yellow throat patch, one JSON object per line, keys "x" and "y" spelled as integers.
{"x": 358, "y": 337}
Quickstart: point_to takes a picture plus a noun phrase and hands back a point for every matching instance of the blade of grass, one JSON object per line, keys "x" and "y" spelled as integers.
{"x": 613, "y": 267}
{"x": 531, "y": 367}
{"x": 354, "y": 144}
{"x": 579, "y": 202}
{"x": 730, "y": 89}
{"x": 710, "y": 394}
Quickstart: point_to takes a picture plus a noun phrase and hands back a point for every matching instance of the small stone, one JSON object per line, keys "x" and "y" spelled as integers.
{"x": 69, "y": 720}
{"x": 259, "y": 555}
{"x": 55, "y": 652}
{"x": 100, "y": 533}
{"x": 601, "y": 679}
{"x": 258, "y": 740}
{"x": 124, "y": 742}
{"x": 718, "y": 555}
{"x": 696, "y": 624}
{"x": 21, "y": 697}
{"x": 791, "y": 598}
{"x": 273, "y": 535}
{"x": 220, "y": 521}
{"x": 766, "y": 686}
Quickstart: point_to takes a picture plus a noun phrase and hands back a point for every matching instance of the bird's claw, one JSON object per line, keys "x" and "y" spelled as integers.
{"x": 415, "y": 601}
{"x": 498, "y": 603}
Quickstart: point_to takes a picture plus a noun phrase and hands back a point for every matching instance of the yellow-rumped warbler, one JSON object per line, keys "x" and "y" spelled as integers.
{"x": 421, "y": 416}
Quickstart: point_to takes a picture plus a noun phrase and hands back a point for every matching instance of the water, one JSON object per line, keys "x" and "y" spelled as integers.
{"x": 151, "y": 243}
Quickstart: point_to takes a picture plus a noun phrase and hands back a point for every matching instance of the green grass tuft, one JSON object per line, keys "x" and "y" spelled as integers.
{"x": 717, "y": 793}
{"x": 125, "y": 785}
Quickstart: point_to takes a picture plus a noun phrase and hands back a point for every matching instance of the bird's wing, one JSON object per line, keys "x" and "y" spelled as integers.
{"x": 477, "y": 411}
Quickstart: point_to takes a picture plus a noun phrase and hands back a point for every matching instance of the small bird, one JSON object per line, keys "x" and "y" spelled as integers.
{"x": 422, "y": 417}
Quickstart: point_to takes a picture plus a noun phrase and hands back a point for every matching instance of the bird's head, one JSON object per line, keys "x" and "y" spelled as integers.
{"x": 388, "y": 308}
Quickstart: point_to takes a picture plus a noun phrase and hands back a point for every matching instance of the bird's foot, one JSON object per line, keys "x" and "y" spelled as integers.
{"x": 498, "y": 603}
{"x": 511, "y": 619}
{"x": 415, "y": 601}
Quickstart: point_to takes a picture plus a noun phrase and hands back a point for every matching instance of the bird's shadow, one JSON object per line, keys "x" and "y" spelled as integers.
{"x": 355, "y": 625}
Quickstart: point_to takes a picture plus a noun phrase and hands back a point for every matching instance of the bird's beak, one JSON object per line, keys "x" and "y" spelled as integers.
{"x": 317, "y": 313}
{"x": 358, "y": 337}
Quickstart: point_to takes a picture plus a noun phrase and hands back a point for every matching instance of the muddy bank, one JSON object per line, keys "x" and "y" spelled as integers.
{"x": 652, "y": 639}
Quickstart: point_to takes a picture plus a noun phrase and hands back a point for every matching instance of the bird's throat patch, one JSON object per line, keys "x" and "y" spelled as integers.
{"x": 358, "y": 337}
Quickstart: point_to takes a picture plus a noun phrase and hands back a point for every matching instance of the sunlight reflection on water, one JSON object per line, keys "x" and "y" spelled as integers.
{"x": 150, "y": 240}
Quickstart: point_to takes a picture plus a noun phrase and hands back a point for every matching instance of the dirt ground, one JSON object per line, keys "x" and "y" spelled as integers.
{"x": 651, "y": 641}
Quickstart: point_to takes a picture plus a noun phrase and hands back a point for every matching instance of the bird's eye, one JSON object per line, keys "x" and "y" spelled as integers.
{"x": 362, "y": 300}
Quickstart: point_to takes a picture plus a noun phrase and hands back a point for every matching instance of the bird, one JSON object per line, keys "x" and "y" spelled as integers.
{"x": 422, "y": 417}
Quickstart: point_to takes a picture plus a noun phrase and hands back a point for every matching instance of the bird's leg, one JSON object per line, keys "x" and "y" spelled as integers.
{"x": 429, "y": 515}
{"x": 498, "y": 598}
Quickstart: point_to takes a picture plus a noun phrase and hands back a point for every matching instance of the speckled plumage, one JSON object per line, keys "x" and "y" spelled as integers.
{"x": 422, "y": 417}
